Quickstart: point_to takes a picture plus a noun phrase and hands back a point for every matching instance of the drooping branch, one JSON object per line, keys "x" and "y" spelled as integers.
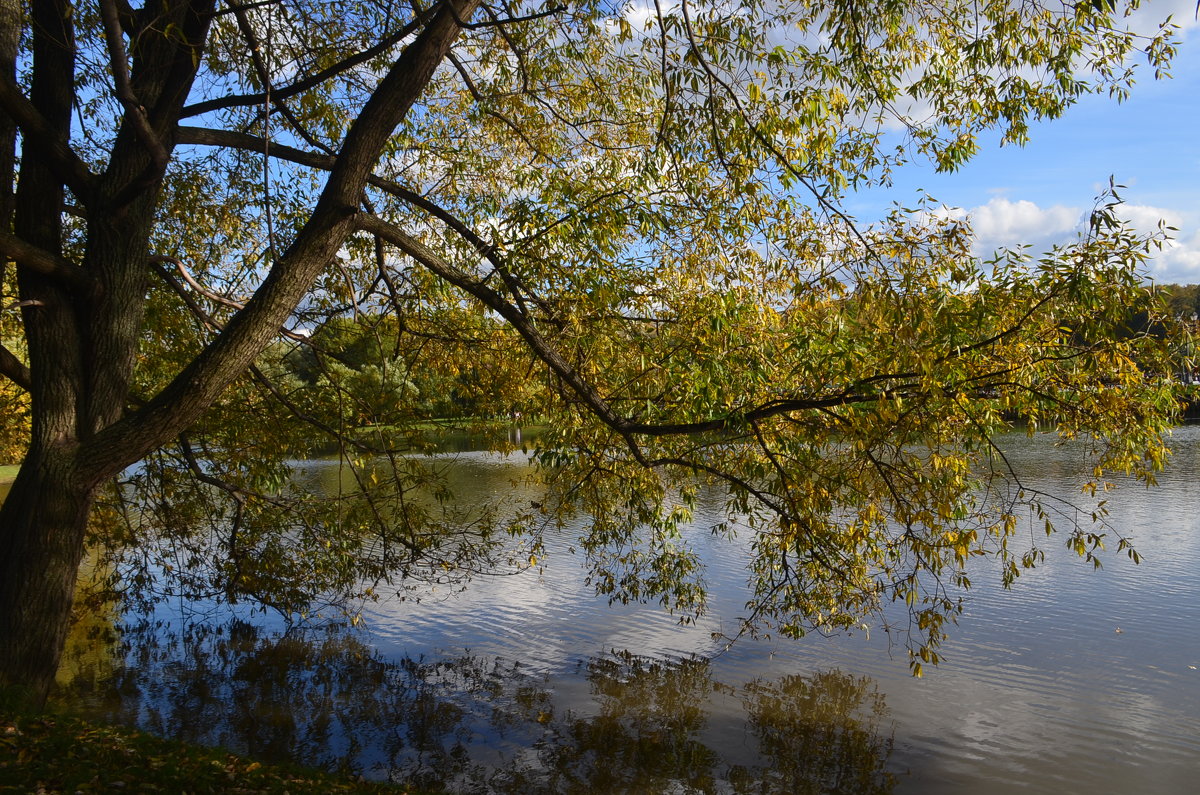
{"x": 601, "y": 407}
{"x": 324, "y": 427}
{"x": 543, "y": 348}
{"x": 768, "y": 145}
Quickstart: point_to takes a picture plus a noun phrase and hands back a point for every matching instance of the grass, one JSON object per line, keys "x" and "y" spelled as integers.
{"x": 49, "y": 753}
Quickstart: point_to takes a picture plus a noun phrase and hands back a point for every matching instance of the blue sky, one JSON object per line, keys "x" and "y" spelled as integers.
{"x": 1038, "y": 193}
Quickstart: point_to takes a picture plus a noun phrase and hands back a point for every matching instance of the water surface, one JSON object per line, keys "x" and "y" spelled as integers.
{"x": 1073, "y": 681}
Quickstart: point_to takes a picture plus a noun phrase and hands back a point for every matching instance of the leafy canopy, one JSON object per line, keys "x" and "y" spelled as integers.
{"x": 627, "y": 219}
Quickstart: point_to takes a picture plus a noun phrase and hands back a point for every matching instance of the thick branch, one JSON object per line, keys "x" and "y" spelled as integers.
{"x": 14, "y": 369}
{"x": 61, "y": 158}
{"x": 119, "y": 60}
{"x": 45, "y": 263}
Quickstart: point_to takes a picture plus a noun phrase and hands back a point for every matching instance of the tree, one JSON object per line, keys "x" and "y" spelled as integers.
{"x": 647, "y": 194}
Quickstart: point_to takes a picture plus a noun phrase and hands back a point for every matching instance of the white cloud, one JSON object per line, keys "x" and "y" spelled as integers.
{"x": 1181, "y": 12}
{"x": 1005, "y": 223}
{"x": 1001, "y": 223}
{"x": 1179, "y": 261}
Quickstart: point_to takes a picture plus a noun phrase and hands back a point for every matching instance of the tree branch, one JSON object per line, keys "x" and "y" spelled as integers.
{"x": 497, "y": 22}
{"x": 234, "y": 8}
{"x": 216, "y": 298}
{"x": 212, "y": 323}
{"x": 767, "y": 144}
{"x": 14, "y": 369}
{"x": 203, "y": 136}
{"x": 119, "y": 60}
{"x": 271, "y": 93}
{"x": 495, "y": 301}
{"x": 251, "y": 143}
{"x": 152, "y": 91}
{"x": 61, "y": 158}
{"x": 585, "y": 391}
{"x": 542, "y": 347}
{"x": 304, "y": 84}
{"x": 45, "y": 263}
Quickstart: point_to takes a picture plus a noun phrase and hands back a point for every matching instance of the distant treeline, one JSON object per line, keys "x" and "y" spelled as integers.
{"x": 1182, "y": 299}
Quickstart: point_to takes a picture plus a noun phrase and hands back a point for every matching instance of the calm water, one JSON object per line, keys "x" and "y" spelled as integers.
{"x": 1074, "y": 681}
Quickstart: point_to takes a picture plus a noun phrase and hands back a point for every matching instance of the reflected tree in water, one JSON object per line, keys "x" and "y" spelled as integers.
{"x": 482, "y": 724}
{"x": 822, "y": 734}
{"x": 647, "y": 731}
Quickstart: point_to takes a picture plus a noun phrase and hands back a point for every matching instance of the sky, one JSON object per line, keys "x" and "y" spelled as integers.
{"x": 1039, "y": 194}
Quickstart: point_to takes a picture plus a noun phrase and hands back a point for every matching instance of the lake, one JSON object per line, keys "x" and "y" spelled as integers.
{"x": 1073, "y": 681}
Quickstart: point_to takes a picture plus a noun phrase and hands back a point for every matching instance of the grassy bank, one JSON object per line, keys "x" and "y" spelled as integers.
{"x": 53, "y": 753}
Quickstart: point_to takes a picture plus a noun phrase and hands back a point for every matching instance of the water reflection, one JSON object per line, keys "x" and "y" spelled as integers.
{"x": 482, "y": 724}
{"x": 840, "y": 753}
{"x": 1038, "y": 692}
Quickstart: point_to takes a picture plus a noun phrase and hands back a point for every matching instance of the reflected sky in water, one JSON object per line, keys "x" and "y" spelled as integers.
{"x": 1074, "y": 681}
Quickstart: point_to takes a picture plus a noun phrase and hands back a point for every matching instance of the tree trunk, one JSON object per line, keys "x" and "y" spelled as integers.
{"x": 10, "y": 31}
{"x": 42, "y": 525}
{"x": 82, "y": 341}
